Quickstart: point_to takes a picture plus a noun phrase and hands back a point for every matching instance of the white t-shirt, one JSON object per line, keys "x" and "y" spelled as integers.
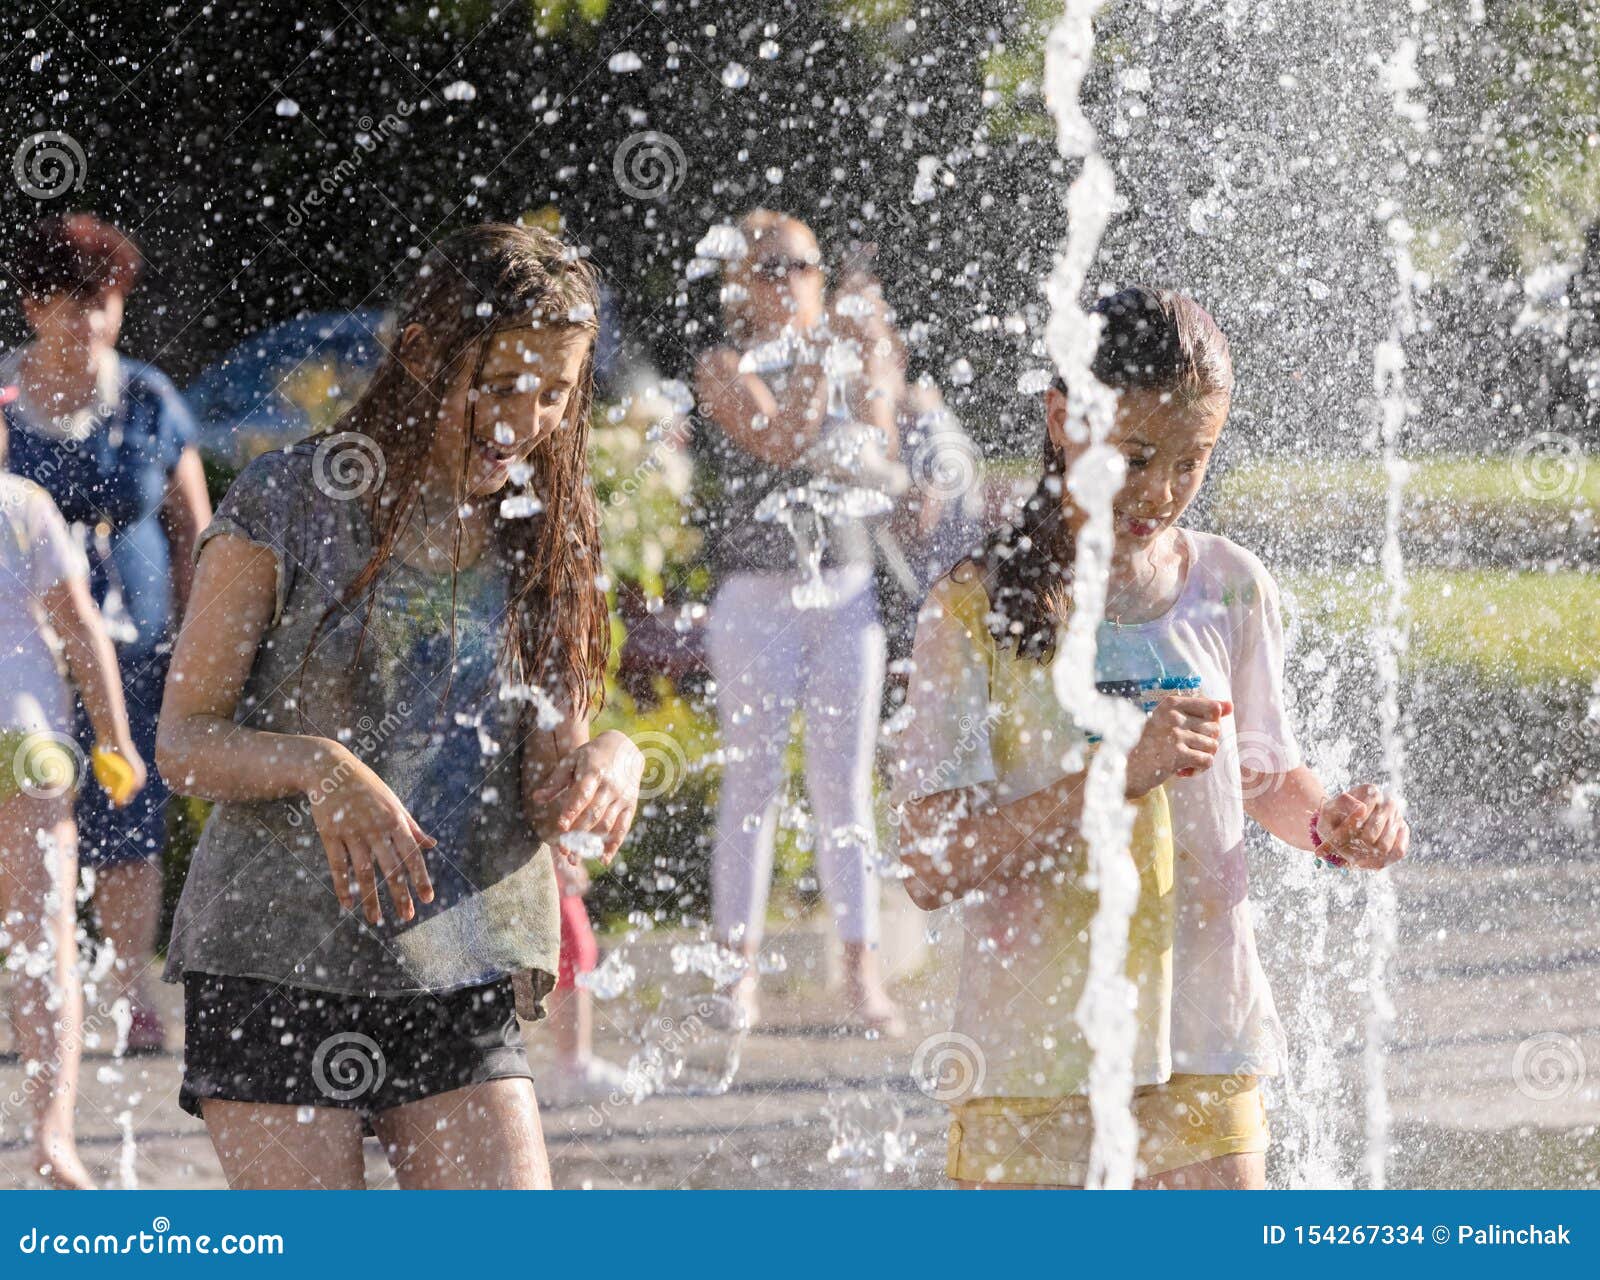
{"x": 37, "y": 553}
{"x": 981, "y": 717}
{"x": 1226, "y": 627}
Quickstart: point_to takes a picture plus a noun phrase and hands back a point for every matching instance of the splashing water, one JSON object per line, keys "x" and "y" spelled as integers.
{"x": 1105, "y": 1011}
{"x": 843, "y": 458}
{"x": 867, "y": 1134}
{"x": 691, "y": 1045}
{"x": 1389, "y": 636}
{"x": 127, "y": 1153}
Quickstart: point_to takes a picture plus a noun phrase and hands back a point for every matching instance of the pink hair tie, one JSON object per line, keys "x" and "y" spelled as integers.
{"x": 1331, "y": 859}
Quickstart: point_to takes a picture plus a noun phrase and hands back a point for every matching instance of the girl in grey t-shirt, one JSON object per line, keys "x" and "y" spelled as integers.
{"x": 395, "y": 639}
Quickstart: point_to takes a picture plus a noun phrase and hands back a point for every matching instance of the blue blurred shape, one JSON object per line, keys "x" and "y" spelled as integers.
{"x": 284, "y": 383}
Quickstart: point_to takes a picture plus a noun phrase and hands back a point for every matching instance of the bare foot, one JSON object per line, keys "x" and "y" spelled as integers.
{"x": 870, "y": 1006}
{"x": 746, "y": 1003}
{"x": 56, "y": 1161}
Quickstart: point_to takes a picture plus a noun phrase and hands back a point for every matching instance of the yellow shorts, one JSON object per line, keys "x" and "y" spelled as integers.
{"x": 1045, "y": 1141}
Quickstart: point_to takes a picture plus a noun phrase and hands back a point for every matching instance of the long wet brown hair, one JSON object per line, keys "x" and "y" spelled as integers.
{"x": 1150, "y": 340}
{"x": 473, "y": 283}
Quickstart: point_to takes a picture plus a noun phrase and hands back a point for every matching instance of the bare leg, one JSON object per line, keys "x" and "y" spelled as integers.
{"x": 1223, "y": 1173}
{"x": 484, "y": 1137}
{"x": 865, "y": 993}
{"x": 744, "y": 990}
{"x": 127, "y": 909}
{"x": 570, "y": 1012}
{"x": 38, "y": 902}
{"x": 1246, "y": 1172}
{"x": 267, "y": 1147}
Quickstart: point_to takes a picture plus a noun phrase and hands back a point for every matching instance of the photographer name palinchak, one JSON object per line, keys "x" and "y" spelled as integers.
{"x": 1512, "y": 1235}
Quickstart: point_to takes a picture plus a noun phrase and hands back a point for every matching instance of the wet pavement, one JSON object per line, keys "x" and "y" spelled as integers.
{"x": 1493, "y": 1069}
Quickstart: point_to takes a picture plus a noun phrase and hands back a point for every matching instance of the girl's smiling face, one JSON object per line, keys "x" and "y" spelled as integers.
{"x": 1167, "y": 444}
{"x": 523, "y": 396}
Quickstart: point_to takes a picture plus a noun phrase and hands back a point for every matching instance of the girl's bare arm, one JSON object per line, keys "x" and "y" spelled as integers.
{"x": 199, "y": 748}
{"x": 958, "y": 841}
{"x": 92, "y": 660}
{"x": 1284, "y": 802}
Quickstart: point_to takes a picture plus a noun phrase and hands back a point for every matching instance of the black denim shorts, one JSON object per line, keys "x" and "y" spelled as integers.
{"x": 250, "y": 1040}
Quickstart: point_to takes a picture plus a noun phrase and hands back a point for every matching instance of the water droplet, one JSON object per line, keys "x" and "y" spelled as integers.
{"x": 460, "y": 91}
{"x": 624, "y": 61}
{"x": 520, "y": 506}
{"x": 287, "y": 108}
{"x": 734, "y": 76}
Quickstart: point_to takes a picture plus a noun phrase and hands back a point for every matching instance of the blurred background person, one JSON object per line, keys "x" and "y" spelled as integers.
{"x": 763, "y": 404}
{"x": 112, "y": 442}
{"x": 45, "y": 604}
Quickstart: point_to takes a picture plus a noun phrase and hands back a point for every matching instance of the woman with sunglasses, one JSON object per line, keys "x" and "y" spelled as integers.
{"x": 763, "y": 401}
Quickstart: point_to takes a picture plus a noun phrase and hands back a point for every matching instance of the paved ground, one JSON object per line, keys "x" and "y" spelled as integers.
{"x": 1493, "y": 1070}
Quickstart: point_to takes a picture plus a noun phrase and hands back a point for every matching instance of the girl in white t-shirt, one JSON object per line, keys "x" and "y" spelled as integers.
{"x": 46, "y": 610}
{"x": 990, "y": 782}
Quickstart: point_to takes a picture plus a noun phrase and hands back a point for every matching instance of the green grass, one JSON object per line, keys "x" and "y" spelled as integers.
{"x": 1528, "y": 628}
{"x": 1543, "y": 485}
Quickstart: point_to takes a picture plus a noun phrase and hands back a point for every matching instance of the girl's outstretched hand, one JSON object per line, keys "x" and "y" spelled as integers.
{"x": 594, "y": 789}
{"x": 367, "y": 833}
{"x": 1363, "y": 827}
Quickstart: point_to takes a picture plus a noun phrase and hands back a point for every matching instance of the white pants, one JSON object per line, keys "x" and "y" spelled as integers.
{"x": 768, "y": 658}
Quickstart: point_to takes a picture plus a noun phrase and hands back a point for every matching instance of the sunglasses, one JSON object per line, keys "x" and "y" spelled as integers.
{"x": 781, "y": 268}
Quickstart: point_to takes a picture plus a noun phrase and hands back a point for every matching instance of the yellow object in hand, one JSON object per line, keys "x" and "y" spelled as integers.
{"x": 115, "y": 774}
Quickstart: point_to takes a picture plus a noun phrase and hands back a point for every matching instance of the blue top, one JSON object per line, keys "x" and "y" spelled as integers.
{"x": 118, "y": 475}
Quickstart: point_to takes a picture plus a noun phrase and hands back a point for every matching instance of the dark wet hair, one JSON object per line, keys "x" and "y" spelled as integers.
{"x": 75, "y": 254}
{"x": 472, "y": 284}
{"x": 1150, "y": 340}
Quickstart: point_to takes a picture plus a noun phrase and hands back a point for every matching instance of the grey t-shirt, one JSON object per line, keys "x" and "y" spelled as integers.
{"x": 259, "y": 901}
